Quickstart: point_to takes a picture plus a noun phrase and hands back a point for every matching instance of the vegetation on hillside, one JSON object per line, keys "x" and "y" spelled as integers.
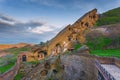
{"x": 107, "y": 53}
{"x": 97, "y": 41}
{"x": 8, "y": 61}
{"x": 16, "y": 51}
{"x": 104, "y": 45}
{"x": 109, "y": 45}
{"x": 109, "y": 17}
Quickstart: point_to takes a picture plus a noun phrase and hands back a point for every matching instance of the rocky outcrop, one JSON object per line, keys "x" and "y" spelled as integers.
{"x": 83, "y": 49}
{"x": 64, "y": 67}
{"x": 65, "y": 39}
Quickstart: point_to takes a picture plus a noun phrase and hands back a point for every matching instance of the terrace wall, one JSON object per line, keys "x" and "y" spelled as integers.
{"x": 104, "y": 60}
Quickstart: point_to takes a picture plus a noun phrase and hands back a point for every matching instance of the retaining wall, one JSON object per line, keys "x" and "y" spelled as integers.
{"x": 104, "y": 60}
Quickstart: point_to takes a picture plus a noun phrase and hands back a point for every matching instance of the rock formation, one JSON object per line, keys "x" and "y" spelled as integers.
{"x": 64, "y": 67}
{"x": 65, "y": 39}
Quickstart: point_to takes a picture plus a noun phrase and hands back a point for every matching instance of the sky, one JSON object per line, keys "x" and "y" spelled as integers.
{"x": 35, "y": 21}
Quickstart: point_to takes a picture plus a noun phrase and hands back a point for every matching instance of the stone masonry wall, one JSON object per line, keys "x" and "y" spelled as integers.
{"x": 104, "y": 60}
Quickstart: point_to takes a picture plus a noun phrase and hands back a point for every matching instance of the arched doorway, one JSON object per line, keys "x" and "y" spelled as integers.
{"x": 24, "y": 58}
{"x": 42, "y": 54}
{"x": 58, "y": 49}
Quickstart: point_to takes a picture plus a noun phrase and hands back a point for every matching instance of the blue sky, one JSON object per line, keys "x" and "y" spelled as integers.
{"x": 33, "y": 21}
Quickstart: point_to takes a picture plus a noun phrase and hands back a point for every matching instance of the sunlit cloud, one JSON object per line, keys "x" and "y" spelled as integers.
{"x": 41, "y": 29}
{"x": 15, "y": 30}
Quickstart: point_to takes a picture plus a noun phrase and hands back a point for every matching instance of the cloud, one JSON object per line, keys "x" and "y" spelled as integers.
{"x": 30, "y": 31}
{"x": 58, "y": 12}
{"x": 8, "y": 24}
{"x": 6, "y": 18}
{"x": 41, "y": 29}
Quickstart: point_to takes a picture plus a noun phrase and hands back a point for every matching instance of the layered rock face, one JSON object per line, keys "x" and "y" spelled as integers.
{"x": 64, "y": 67}
{"x": 65, "y": 39}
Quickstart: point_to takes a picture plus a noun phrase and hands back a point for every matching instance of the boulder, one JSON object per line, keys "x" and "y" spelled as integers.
{"x": 83, "y": 49}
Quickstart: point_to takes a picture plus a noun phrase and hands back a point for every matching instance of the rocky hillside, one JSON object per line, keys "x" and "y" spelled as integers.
{"x": 61, "y": 67}
{"x": 107, "y": 32}
{"x": 109, "y": 17}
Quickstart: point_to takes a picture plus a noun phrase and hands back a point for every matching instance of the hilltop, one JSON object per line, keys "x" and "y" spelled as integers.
{"x": 104, "y": 39}
{"x": 109, "y": 17}
{"x": 7, "y": 46}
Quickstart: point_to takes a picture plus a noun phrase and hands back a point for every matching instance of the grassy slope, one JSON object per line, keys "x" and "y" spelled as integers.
{"x": 104, "y": 53}
{"x": 109, "y": 17}
{"x": 107, "y": 53}
{"x": 6, "y": 67}
{"x": 15, "y": 52}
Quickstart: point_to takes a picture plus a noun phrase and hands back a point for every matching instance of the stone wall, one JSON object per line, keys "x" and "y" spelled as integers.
{"x": 104, "y": 60}
{"x": 117, "y": 62}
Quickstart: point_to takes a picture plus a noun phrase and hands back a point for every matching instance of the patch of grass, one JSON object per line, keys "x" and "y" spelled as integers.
{"x": 107, "y": 21}
{"x": 77, "y": 46}
{"x": 109, "y": 17}
{"x": 107, "y": 53}
{"x": 98, "y": 43}
{"x": 7, "y": 60}
{"x": 34, "y": 62}
{"x": 18, "y": 50}
{"x": 18, "y": 76}
{"x": 6, "y": 67}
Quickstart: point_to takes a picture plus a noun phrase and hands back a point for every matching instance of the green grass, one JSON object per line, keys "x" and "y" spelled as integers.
{"x": 34, "y": 62}
{"x": 6, "y": 67}
{"x": 77, "y": 46}
{"x": 108, "y": 21}
{"x": 18, "y": 76}
{"x": 109, "y": 17}
{"x": 104, "y": 53}
{"x": 18, "y": 50}
{"x": 107, "y": 53}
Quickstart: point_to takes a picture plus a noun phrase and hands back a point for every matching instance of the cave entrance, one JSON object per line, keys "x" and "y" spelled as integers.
{"x": 58, "y": 48}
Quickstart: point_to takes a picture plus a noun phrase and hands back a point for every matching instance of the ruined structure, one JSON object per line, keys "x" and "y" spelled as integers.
{"x": 66, "y": 38}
